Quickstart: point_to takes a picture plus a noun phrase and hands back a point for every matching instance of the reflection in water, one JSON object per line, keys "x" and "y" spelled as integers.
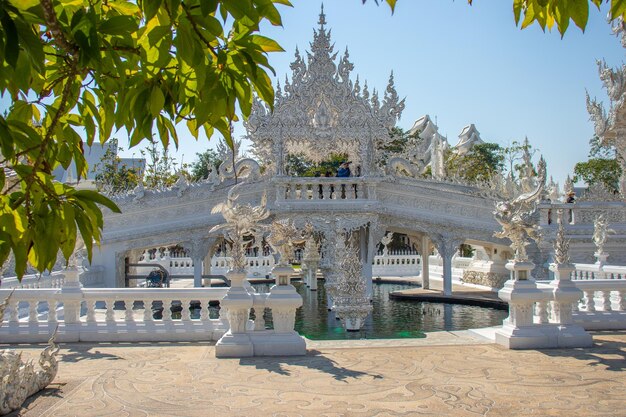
{"x": 390, "y": 318}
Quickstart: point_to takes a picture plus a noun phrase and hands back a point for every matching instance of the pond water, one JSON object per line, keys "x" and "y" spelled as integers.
{"x": 390, "y": 319}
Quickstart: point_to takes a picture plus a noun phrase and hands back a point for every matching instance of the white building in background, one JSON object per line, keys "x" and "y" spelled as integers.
{"x": 94, "y": 155}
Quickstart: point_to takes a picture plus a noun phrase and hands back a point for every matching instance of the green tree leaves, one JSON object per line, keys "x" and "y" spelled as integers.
{"x": 599, "y": 171}
{"x": 77, "y": 68}
{"x": 478, "y": 165}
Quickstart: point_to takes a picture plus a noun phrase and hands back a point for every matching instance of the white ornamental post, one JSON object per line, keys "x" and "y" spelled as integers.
{"x": 242, "y": 220}
{"x": 566, "y": 294}
{"x": 520, "y": 291}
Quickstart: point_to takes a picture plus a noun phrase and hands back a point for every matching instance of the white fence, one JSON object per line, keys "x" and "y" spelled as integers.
{"x": 597, "y": 271}
{"x": 322, "y": 188}
{"x": 91, "y": 276}
{"x": 396, "y": 263}
{"x": 602, "y": 307}
{"x": 258, "y": 266}
{"x": 112, "y": 315}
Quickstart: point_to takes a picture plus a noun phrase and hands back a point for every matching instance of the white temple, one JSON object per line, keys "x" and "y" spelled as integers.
{"x": 318, "y": 111}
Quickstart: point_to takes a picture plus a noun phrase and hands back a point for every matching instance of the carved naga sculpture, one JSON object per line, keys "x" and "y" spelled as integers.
{"x": 19, "y": 380}
{"x": 516, "y": 216}
{"x": 284, "y": 235}
{"x": 241, "y": 220}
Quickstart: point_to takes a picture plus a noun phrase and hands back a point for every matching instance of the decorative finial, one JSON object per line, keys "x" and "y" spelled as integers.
{"x": 561, "y": 245}
{"x": 322, "y": 20}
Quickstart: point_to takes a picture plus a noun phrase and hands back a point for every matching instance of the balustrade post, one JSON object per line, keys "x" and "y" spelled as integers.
{"x": 110, "y": 313}
{"x": 566, "y": 295}
{"x": 52, "y": 311}
{"x": 621, "y": 302}
{"x": 425, "y": 253}
{"x": 606, "y": 301}
{"x": 33, "y": 304}
{"x": 72, "y": 295}
{"x": 521, "y": 293}
{"x": 590, "y": 303}
{"x": 128, "y": 310}
{"x": 237, "y": 302}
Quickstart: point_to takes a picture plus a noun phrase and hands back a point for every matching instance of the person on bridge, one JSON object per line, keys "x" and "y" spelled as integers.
{"x": 344, "y": 170}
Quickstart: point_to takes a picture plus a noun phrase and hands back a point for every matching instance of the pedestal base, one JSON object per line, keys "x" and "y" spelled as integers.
{"x": 236, "y": 345}
{"x": 269, "y": 343}
{"x": 573, "y": 336}
{"x": 526, "y": 337}
{"x": 548, "y": 336}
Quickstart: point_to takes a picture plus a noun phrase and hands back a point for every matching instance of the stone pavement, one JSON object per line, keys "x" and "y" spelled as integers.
{"x": 446, "y": 374}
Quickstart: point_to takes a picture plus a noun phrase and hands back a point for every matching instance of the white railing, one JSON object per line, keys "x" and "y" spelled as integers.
{"x": 174, "y": 266}
{"x": 258, "y": 266}
{"x": 322, "y": 188}
{"x": 396, "y": 263}
{"x": 53, "y": 280}
{"x": 112, "y": 315}
{"x": 91, "y": 276}
{"x": 585, "y": 272}
{"x": 602, "y": 306}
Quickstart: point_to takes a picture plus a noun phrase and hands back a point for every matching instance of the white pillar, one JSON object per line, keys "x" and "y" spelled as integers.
{"x": 447, "y": 273}
{"x": 367, "y": 254}
{"x": 447, "y": 246}
{"x": 312, "y": 276}
{"x": 425, "y": 253}
{"x": 197, "y": 272}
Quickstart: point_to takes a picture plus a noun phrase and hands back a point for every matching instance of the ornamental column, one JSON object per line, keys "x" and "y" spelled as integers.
{"x": 199, "y": 250}
{"x": 425, "y": 254}
{"x": 446, "y": 246}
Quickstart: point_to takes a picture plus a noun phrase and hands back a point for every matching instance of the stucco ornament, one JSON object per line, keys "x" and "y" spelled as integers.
{"x": 600, "y": 232}
{"x": 242, "y": 220}
{"x": 322, "y": 111}
{"x": 610, "y": 127}
{"x": 386, "y": 240}
{"x": 561, "y": 244}
{"x": 284, "y": 235}
{"x": 351, "y": 302}
{"x": 19, "y": 380}
{"x": 516, "y": 216}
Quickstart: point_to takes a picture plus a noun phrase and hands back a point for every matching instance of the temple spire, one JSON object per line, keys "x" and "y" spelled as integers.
{"x": 322, "y": 20}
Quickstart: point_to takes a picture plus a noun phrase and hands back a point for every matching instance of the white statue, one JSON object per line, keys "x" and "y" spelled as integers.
{"x": 181, "y": 184}
{"x": 600, "y": 232}
{"x": 284, "y": 235}
{"x": 516, "y": 216}
{"x": 241, "y": 220}
{"x": 19, "y": 380}
{"x": 386, "y": 240}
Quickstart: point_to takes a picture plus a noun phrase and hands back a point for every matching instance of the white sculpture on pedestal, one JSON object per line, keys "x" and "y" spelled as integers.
{"x": 600, "y": 233}
{"x": 241, "y": 220}
{"x": 520, "y": 291}
{"x": 565, "y": 294}
{"x": 386, "y": 240}
{"x": 516, "y": 216}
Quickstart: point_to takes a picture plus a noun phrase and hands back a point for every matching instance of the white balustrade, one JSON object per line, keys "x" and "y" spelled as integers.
{"x": 53, "y": 280}
{"x": 396, "y": 263}
{"x": 597, "y": 271}
{"x": 601, "y": 307}
{"x": 91, "y": 276}
{"x": 112, "y": 315}
{"x": 258, "y": 266}
{"x": 321, "y": 188}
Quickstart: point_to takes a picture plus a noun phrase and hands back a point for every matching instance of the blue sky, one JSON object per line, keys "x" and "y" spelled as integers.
{"x": 463, "y": 64}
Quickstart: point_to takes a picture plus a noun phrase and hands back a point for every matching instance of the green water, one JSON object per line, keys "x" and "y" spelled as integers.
{"x": 390, "y": 319}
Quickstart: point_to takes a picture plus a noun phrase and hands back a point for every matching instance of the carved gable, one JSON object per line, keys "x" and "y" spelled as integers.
{"x": 322, "y": 111}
